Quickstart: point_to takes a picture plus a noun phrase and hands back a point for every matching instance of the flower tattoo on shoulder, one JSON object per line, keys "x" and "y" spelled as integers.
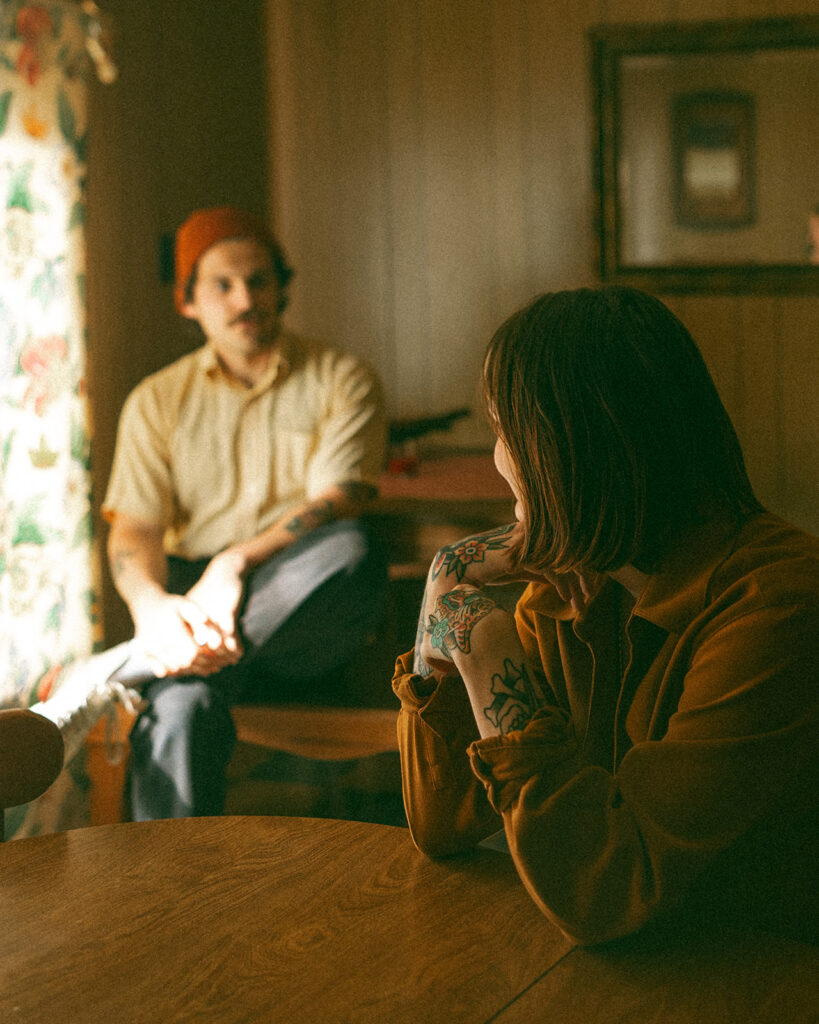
{"x": 454, "y": 559}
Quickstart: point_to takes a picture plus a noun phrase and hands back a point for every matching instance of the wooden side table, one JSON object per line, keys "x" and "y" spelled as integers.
{"x": 445, "y": 499}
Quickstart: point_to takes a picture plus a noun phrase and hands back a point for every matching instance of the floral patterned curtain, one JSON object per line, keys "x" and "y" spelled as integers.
{"x": 48, "y": 559}
{"x": 48, "y": 567}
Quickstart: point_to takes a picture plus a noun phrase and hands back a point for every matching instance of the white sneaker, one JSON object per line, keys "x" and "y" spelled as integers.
{"x": 86, "y": 689}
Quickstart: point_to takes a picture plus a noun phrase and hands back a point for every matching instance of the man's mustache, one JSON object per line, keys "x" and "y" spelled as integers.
{"x": 250, "y": 316}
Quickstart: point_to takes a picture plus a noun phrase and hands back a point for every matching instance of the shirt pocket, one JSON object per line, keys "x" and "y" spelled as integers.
{"x": 294, "y": 449}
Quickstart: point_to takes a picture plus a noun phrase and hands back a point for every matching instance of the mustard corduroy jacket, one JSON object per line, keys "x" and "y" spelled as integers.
{"x": 679, "y": 769}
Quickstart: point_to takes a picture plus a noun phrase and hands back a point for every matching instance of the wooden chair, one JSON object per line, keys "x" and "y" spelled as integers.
{"x": 320, "y": 733}
{"x": 316, "y": 761}
{"x": 289, "y": 759}
{"x": 31, "y": 757}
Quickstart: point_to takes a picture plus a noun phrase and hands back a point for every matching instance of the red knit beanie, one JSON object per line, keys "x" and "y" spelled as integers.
{"x": 205, "y": 228}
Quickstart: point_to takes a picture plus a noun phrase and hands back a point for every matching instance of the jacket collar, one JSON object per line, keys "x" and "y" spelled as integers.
{"x": 674, "y": 595}
{"x": 679, "y": 592}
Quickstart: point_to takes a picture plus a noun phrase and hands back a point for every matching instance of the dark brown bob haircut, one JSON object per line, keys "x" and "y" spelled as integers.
{"x": 616, "y": 432}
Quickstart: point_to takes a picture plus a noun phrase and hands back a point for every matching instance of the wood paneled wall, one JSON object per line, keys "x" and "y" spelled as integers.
{"x": 430, "y": 171}
{"x": 182, "y": 127}
{"x": 428, "y": 163}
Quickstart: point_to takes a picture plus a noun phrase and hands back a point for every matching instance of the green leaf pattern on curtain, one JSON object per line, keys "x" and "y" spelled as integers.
{"x": 48, "y": 561}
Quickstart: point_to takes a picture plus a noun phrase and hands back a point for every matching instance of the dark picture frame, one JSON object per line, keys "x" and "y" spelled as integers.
{"x": 718, "y": 195}
{"x": 714, "y": 167}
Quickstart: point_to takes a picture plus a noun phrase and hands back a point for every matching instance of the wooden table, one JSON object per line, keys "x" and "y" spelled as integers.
{"x": 717, "y": 976}
{"x": 306, "y": 921}
{"x": 256, "y": 919}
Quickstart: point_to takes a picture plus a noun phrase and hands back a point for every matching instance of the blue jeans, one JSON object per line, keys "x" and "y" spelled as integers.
{"x": 306, "y": 612}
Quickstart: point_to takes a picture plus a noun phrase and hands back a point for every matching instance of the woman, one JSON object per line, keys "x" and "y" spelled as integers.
{"x": 644, "y": 728}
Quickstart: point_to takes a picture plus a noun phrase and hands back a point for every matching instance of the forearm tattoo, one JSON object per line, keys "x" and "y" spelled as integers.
{"x": 355, "y": 492}
{"x": 310, "y": 518}
{"x": 515, "y": 698}
{"x": 456, "y": 615}
{"x": 120, "y": 559}
{"x": 456, "y": 558}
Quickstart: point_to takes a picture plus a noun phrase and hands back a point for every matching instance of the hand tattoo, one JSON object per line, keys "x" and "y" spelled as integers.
{"x": 456, "y": 557}
{"x": 456, "y": 615}
{"x": 515, "y": 698}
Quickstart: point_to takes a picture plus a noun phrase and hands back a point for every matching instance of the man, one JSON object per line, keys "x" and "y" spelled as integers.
{"x": 239, "y": 474}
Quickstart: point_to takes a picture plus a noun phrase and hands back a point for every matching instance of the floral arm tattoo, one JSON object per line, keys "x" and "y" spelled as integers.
{"x": 454, "y": 559}
{"x": 515, "y": 698}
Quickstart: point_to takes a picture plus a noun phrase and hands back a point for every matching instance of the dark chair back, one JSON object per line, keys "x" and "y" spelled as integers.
{"x": 31, "y": 757}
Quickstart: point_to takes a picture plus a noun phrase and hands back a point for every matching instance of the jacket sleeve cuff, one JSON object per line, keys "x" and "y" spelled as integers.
{"x": 412, "y": 690}
{"x": 426, "y": 693}
{"x": 442, "y": 704}
{"x": 505, "y": 763}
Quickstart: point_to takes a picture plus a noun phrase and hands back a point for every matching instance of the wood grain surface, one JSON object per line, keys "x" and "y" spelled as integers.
{"x": 716, "y": 976}
{"x": 254, "y": 919}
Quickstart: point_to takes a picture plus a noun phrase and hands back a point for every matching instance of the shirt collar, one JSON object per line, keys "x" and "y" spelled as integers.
{"x": 278, "y": 367}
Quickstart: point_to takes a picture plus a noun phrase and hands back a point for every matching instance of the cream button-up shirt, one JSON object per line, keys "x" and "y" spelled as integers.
{"x": 215, "y": 463}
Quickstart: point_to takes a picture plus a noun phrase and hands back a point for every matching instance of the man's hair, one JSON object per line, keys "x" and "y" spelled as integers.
{"x": 281, "y": 268}
{"x": 617, "y": 435}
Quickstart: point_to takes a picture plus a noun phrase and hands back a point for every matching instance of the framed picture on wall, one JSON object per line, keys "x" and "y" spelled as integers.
{"x": 713, "y": 147}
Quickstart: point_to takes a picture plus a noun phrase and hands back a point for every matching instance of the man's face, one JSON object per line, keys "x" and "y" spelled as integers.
{"x": 236, "y": 298}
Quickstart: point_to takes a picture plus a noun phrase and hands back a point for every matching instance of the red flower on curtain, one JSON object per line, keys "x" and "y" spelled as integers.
{"x": 28, "y": 63}
{"x": 46, "y": 684}
{"x": 44, "y": 360}
{"x": 32, "y": 22}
